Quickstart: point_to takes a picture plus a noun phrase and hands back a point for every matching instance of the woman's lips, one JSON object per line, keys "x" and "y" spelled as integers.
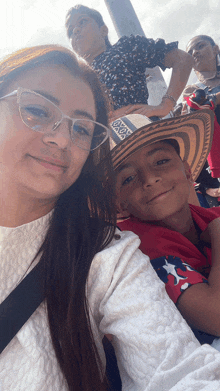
{"x": 52, "y": 164}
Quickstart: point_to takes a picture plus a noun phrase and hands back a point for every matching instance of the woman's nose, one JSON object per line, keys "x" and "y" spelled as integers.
{"x": 194, "y": 52}
{"x": 76, "y": 30}
{"x": 59, "y": 137}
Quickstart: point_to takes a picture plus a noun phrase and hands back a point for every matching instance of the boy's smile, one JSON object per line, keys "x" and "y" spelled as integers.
{"x": 153, "y": 184}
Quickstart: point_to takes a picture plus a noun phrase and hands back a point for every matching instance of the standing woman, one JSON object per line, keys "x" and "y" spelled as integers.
{"x": 57, "y": 212}
{"x": 205, "y": 53}
{"x": 121, "y": 67}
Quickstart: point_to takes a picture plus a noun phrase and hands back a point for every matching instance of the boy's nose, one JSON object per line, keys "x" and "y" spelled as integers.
{"x": 150, "y": 178}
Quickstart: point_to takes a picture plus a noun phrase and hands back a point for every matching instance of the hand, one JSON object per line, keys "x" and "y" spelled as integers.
{"x": 213, "y": 192}
{"x": 149, "y": 111}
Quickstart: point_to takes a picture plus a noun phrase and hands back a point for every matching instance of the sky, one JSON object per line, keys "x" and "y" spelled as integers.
{"x": 27, "y": 23}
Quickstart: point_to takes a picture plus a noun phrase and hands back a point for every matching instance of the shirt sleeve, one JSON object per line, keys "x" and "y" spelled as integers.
{"x": 155, "y": 348}
{"x": 147, "y": 52}
{"x": 176, "y": 274}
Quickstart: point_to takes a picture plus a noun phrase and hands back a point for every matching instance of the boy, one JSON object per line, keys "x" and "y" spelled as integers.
{"x": 155, "y": 165}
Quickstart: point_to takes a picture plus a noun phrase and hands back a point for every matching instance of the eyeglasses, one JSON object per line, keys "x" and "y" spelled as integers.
{"x": 42, "y": 115}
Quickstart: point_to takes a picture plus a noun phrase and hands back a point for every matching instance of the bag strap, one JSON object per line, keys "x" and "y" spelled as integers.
{"x": 202, "y": 86}
{"x": 20, "y": 304}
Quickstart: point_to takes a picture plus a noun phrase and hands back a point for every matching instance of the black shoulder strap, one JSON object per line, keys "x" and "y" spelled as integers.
{"x": 20, "y": 304}
{"x": 202, "y": 86}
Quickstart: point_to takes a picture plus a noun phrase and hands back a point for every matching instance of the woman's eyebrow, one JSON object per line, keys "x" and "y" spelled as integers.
{"x": 84, "y": 114}
{"x": 48, "y": 96}
{"x": 195, "y": 46}
{"x": 57, "y": 102}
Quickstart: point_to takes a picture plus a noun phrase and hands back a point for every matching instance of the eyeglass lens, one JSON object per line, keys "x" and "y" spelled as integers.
{"x": 42, "y": 115}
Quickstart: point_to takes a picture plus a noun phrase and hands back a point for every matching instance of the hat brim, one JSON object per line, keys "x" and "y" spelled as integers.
{"x": 193, "y": 132}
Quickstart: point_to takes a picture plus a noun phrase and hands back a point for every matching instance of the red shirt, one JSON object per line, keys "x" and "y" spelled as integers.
{"x": 178, "y": 263}
{"x": 214, "y": 156}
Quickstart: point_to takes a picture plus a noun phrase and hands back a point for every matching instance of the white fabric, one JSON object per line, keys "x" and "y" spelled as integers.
{"x": 155, "y": 348}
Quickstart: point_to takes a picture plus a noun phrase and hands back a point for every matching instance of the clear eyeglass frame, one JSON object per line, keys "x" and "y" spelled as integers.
{"x": 100, "y": 133}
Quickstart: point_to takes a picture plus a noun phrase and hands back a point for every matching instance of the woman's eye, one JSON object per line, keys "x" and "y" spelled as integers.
{"x": 81, "y": 130}
{"x": 37, "y": 112}
{"x": 83, "y": 22}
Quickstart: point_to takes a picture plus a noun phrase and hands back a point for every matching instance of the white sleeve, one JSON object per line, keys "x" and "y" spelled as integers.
{"x": 155, "y": 348}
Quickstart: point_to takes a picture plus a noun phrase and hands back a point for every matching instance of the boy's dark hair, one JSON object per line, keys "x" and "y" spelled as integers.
{"x": 82, "y": 9}
{"x": 174, "y": 144}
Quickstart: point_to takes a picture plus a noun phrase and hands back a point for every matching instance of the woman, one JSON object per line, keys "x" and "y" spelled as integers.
{"x": 205, "y": 53}
{"x": 56, "y": 209}
{"x": 121, "y": 67}
{"x": 37, "y": 165}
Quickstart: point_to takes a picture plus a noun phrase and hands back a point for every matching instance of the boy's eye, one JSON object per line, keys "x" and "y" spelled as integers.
{"x": 162, "y": 161}
{"x": 128, "y": 180}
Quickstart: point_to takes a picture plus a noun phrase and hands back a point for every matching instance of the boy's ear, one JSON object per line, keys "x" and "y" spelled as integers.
{"x": 104, "y": 31}
{"x": 188, "y": 171}
{"x": 122, "y": 212}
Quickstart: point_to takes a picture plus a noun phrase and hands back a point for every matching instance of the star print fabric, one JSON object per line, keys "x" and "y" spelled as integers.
{"x": 176, "y": 275}
{"x": 178, "y": 263}
{"x": 122, "y": 68}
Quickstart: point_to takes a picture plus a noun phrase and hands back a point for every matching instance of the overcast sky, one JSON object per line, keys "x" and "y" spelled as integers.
{"x": 34, "y": 22}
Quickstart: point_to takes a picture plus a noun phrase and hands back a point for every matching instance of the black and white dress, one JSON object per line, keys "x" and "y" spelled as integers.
{"x": 122, "y": 68}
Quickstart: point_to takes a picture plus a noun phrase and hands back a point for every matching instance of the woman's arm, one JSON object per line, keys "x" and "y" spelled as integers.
{"x": 181, "y": 64}
{"x": 200, "y": 304}
{"x": 155, "y": 348}
{"x": 217, "y": 98}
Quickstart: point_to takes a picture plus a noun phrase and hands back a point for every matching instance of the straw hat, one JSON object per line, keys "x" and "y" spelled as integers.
{"x": 193, "y": 133}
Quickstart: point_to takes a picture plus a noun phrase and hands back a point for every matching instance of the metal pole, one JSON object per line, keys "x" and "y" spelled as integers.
{"x": 126, "y": 22}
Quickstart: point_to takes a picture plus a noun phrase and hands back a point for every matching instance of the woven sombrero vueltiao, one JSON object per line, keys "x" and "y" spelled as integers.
{"x": 193, "y": 132}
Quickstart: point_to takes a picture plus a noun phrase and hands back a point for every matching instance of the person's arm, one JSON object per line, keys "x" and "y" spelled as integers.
{"x": 155, "y": 348}
{"x": 187, "y": 92}
{"x": 217, "y": 102}
{"x": 181, "y": 64}
{"x": 200, "y": 304}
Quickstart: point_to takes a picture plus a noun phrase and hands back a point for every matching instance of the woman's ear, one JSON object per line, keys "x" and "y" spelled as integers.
{"x": 216, "y": 50}
{"x": 104, "y": 31}
{"x": 188, "y": 171}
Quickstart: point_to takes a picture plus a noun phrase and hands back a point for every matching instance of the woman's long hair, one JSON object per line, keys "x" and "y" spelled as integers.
{"x": 82, "y": 224}
{"x": 212, "y": 42}
{"x": 82, "y": 9}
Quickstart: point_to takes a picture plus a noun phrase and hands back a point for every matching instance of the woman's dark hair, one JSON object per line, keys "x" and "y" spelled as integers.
{"x": 205, "y": 38}
{"x": 81, "y": 9}
{"x": 81, "y": 225}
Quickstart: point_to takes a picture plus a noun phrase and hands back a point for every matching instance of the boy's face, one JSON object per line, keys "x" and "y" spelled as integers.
{"x": 153, "y": 183}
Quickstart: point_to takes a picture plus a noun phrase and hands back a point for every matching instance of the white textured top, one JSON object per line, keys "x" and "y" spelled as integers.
{"x": 155, "y": 348}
